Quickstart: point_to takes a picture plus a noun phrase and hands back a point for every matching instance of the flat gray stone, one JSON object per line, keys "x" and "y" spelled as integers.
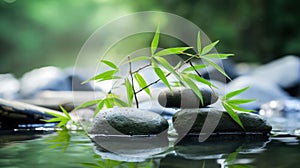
{"x": 220, "y": 122}
{"x": 186, "y": 98}
{"x": 128, "y": 121}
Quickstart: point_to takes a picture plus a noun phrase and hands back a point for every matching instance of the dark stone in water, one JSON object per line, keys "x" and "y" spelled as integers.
{"x": 128, "y": 121}
{"x": 129, "y": 148}
{"x": 13, "y": 113}
{"x": 192, "y": 121}
{"x": 186, "y": 98}
{"x": 217, "y": 145}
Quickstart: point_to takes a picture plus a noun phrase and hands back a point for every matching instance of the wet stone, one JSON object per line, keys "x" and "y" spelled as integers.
{"x": 191, "y": 121}
{"x": 128, "y": 121}
{"x": 186, "y": 98}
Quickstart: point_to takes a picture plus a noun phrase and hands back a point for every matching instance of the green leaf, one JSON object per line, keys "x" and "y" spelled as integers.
{"x": 218, "y": 56}
{"x": 240, "y": 101}
{"x": 233, "y": 115}
{"x": 142, "y": 83}
{"x": 111, "y": 64}
{"x": 193, "y": 86}
{"x": 87, "y": 104}
{"x": 238, "y": 108}
{"x": 194, "y": 68}
{"x": 201, "y": 80}
{"x": 234, "y": 93}
{"x": 57, "y": 114}
{"x": 168, "y": 66}
{"x": 99, "y": 107}
{"x": 199, "y": 43}
{"x": 53, "y": 120}
{"x": 209, "y": 47}
{"x": 130, "y": 91}
{"x": 216, "y": 66}
{"x": 65, "y": 112}
{"x": 108, "y": 78}
{"x": 108, "y": 102}
{"x": 105, "y": 75}
{"x": 161, "y": 75}
{"x": 176, "y": 84}
{"x": 140, "y": 58}
{"x": 170, "y": 51}
{"x": 119, "y": 102}
{"x": 155, "y": 41}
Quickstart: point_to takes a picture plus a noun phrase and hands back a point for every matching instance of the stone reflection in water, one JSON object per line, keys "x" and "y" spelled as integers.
{"x": 130, "y": 148}
{"x": 216, "y": 150}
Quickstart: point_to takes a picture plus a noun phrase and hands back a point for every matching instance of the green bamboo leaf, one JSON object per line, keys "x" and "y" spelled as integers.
{"x": 56, "y": 114}
{"x": 130, "y": 91}
{"x": 209, "y": 47}
{"x": 240, "y": 101}
{"x": 238, "y": 108}
{"x": 110, "y": 64}
{"x": 216, "y": 66}
{"x": 142, "y": 83}
{"x": 199, "y": 43}
{"x": 87, "y": 104}
{"x": 201, "y": 80}
{"x": 108, "y": 78}
{"x": 155, "y": 40}
{"x": 194, "y": 68}
{"x": 234, "y": 93}
{"x": 218, "y": 56}
{"x": 161, "y": 74}
{"x": 52, "y": 120}
{"x": 193, "y": 86}
{"x": 65, "y": 112}
{"x": 168, "y": 66}
{"x": 63, "y": 123}
{"x": 99, "y": 107}
{"x": 109, "y": 102}
{"x": 119, "y": 102}
{"x": 170, "y": 51}
{"x": 140, "y": 58}
{"x": 233, "y": 115}
{"x": 104, "y": 75}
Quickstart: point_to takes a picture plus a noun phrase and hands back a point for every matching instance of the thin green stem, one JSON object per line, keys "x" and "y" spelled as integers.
{"x": 132, "y": 83}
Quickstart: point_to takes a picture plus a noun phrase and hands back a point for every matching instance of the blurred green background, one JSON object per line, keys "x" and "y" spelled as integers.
{"x": 36, "y": 33}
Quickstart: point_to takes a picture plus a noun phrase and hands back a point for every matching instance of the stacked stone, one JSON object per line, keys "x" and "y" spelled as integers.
{"x": 195, "y": 117}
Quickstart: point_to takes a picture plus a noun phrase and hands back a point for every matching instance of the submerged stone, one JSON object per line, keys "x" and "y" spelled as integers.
{"x": 128, "y": 121}
{"x": 191, "y": 121}
{"x": 186, "y": 98}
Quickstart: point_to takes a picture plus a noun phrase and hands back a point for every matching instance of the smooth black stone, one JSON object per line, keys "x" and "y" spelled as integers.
{"x": 186, "y": 98}
{"x": 193, "y": 120}
{"x": 128, "y": 121}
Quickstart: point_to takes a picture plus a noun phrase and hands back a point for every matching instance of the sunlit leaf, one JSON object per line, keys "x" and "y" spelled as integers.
{"x": 168, "y": 66}
{"x": 108, "y": 78}
{"x": 99, "y": 107}
{"x": 194, "y": 68}
{"x": 209, "y": 47}
{"x": 234, "y": 93}
{"x": 161, "y": 75}
{"x": 111, "y": 64}
{"x": 87, "y": 104}
{"x": 240, "y": 101}
{"x": 194, "y": 87}
{"x": 218, "y": 56}
{"x": 65, "y": 112}
{"x": 155, "y": 40}
{"x": 238, "y": 108}
{"x": 233, "y": 115}
{"x": 201, "y": 80}
{"x": 119, "y": 102}
{"x": 104, "y": 75}
{"x": 217, "y": 67}
{"x": 109, "y": 103}
{"x": 199, "y": 43}
{"x": 170, "y": 51}
{"x": 142, "y": 83}
{"x": 140, "y": 58}
{"x": 130, "y": 91}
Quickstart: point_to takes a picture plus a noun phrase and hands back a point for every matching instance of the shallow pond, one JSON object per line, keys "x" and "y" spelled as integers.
{"x": 74, "y": 149}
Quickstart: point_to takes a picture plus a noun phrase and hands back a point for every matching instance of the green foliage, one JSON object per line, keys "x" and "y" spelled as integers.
{"x": 187, "y": 77}
{"x": 62, "y": 118}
